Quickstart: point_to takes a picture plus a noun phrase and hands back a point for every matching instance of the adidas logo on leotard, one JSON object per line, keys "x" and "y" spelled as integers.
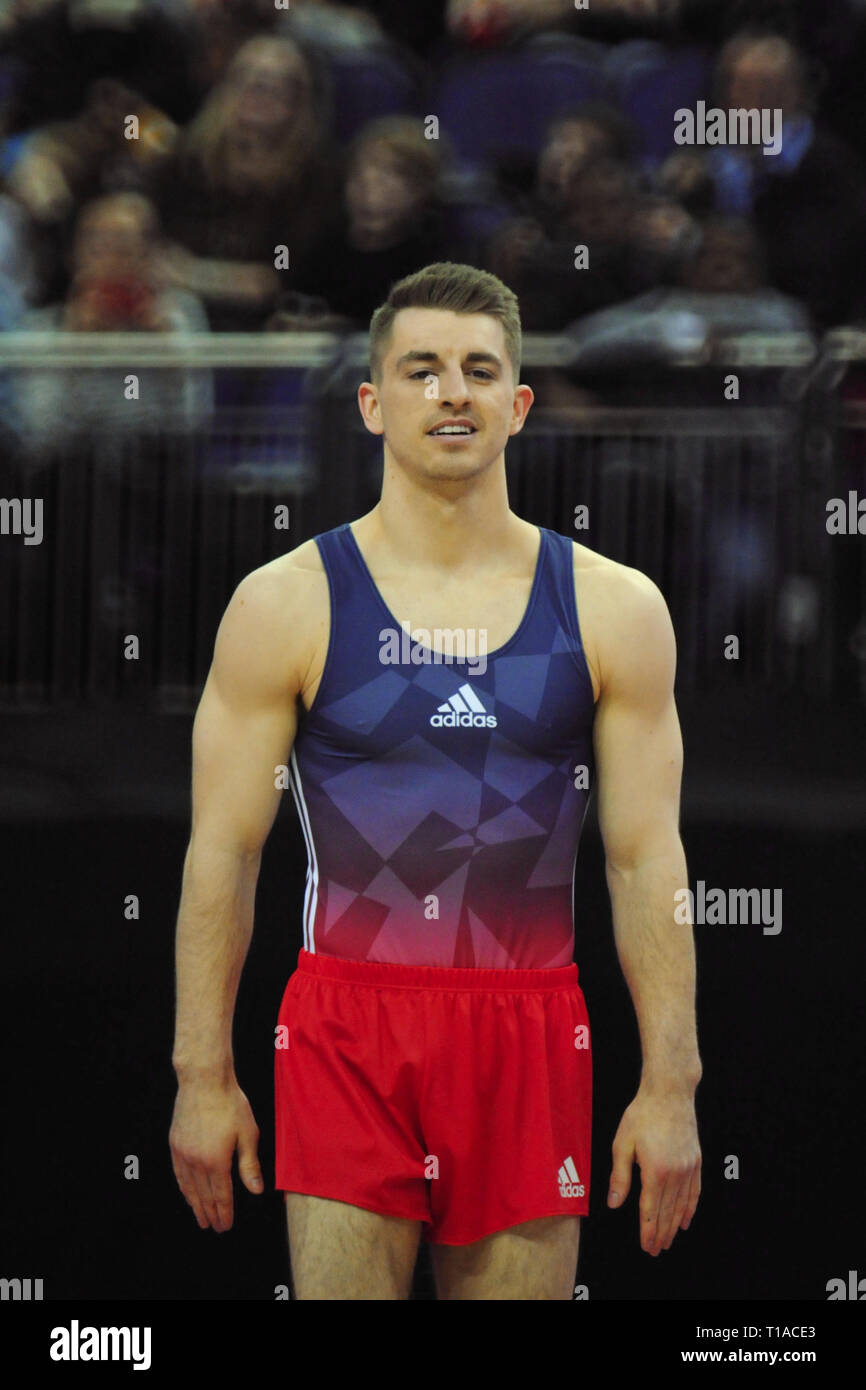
{"x": 463, "y": 710}
{"x": 569, "y": 1179}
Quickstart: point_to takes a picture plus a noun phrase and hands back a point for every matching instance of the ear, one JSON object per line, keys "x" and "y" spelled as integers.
{"x": 523, "y": 398}
{"x": 368, "y": 404}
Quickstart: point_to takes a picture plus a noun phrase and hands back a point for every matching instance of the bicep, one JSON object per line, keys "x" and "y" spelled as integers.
{"x": 638, "y": 744}
{"x": 244, "y": 729}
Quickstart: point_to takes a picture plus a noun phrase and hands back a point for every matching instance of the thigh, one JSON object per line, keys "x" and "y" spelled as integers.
{"x": 340, "y": 1251}
{"x": 535, "y": 1260}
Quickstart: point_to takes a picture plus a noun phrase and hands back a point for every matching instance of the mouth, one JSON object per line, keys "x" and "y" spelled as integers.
{"x": 453, "y": 429}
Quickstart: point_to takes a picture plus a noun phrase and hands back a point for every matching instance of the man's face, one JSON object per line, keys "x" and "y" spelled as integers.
{"x": 443, "y": 367}
{"x": 572, "y": 144}
{"x": 764, "y": 78}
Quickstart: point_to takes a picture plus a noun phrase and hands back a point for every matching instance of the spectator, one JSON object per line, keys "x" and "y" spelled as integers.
{"x": 114, "y": 288}
{"x": 67, "y": 163}
{"x": 220, "y": 28}
{"x": 86, "y": 151}
{"x": 392, "y": 223}
{"x": 574, "y": 140}
{"x": 251, "y": 174}
{"x": 579, "y": 258}
{"x": 624, "y": 353}
{"x": 808, "y": 201}
{"x": 723, "y": 277}
{"x": 662, "y": 233}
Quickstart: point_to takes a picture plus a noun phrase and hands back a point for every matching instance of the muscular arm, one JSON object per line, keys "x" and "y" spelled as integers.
{"x": 244, "y": 727}
{"x": 639, "y": 757}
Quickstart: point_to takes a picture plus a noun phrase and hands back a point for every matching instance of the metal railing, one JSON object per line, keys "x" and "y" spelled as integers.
{"x": 147, "y": 531}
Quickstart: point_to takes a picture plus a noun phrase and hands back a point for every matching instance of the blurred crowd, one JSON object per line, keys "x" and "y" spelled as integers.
{"x": 240, "y": 165}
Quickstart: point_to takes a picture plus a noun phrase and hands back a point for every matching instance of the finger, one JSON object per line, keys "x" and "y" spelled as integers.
{"x": 692, "y": 1199}
{"x": 215, "y": 1185}
{"x": 652, "y": 1188}
{"x": 620, "y": 1177}
{"x": 203, "y": 1195}
{"x": 671, "y": 1210}
{"x": 186, "y": 1183}
{"x": 222, "y": 1198}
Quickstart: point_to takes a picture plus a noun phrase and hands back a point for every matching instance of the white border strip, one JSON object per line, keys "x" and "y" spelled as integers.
{"x": 311, "y": 896}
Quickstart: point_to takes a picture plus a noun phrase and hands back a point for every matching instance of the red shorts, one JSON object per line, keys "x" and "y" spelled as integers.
{"x": 457, "y": 1097}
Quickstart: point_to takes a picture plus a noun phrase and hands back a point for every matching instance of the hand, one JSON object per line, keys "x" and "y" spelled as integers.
{"x": 38, "y": 182}
{"x": 149, "y": 317}
{"x": 682, "y": 174}
{"x": 174, "y": 267}
{"x": 658, "y": 1131}
{"x": 211, "y": 1119}
{"x": 85, "y": 310}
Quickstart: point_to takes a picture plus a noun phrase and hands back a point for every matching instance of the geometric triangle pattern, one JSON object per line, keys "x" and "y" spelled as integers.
{"x": 437, "y": 795}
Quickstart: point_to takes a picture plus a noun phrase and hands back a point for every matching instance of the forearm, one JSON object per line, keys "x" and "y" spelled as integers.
{"x": 657, "y": 956}
{"x": 214, "y": 929}
{"x": 238, "y": 282}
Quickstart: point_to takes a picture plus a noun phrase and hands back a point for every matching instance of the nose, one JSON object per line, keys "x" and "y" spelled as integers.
{"x": 454, "y": 388}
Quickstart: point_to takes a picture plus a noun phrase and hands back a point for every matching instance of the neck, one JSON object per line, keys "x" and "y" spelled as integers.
{"x": 447, "y": 526}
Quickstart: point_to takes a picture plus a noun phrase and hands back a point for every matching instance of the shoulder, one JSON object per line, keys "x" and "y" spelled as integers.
{"x": 624, "y": 621}
{"x": 274, "y": 618}
{"x": 284, "y": 589}
{"x": 621, "y": 588}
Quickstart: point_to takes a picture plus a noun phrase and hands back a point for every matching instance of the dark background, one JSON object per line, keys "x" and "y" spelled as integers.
{"x": 722, "y": 504}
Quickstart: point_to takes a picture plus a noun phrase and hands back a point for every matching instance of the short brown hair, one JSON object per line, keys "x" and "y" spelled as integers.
{"x": 464, "y": 289}
{"x": 418, "y": 159}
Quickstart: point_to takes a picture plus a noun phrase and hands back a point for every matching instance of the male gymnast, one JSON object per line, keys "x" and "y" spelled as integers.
{"x": 443, "y": 682}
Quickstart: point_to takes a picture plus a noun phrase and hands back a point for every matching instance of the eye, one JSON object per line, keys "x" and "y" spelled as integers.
{"x": 425, "y": 374}
{"x": 482, "y": 371}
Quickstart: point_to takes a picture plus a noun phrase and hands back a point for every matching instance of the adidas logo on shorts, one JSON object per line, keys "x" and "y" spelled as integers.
{"x": 463, "y": 710}
{"x": 569, "y": 1180}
